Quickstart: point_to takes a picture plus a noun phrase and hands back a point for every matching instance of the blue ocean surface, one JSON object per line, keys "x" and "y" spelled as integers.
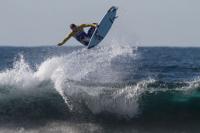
{"x": 107, "y": 89}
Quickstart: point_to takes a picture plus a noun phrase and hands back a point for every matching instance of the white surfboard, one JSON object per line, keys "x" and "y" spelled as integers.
{"x": 103, "y": 27}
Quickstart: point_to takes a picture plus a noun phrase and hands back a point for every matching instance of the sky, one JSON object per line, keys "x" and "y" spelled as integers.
{"x": 148, "y": 22}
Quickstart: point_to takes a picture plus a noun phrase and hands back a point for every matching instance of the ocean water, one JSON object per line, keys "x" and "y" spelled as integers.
{"x": 109, "y": 89}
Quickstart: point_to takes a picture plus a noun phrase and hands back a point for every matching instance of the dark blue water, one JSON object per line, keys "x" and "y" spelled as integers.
{"x": 105, "y": 89}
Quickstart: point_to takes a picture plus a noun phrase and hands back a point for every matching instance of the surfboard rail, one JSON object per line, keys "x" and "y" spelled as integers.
{"x": 103, "y": 27}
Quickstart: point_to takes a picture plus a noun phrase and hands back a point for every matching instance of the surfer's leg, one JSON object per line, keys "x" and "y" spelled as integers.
{"x": 85, "y": 43}
{"x": 90, "y": 32}
{"x": 83, "y": 38}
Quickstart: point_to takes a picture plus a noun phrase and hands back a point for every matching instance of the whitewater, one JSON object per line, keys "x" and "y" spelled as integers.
{"x": 70, "y": 88}
{"x": 83, "y": 75}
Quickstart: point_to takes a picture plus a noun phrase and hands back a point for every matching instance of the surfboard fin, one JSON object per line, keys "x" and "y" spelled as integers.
{"x": 113, "y": 8}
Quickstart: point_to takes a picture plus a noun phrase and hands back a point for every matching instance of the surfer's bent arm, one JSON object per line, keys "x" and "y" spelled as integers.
{"x": 87, "y": 25}
{"x": 66, "y": 39}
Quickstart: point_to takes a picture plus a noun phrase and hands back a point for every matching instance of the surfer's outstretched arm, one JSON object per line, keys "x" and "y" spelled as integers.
{"x": 66, "y": 39}
{"x": 87, "y": 25}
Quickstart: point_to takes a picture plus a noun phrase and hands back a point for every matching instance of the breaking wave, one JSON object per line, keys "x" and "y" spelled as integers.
{"x": 83, "y": 77}
{"x": 92, "y": 81}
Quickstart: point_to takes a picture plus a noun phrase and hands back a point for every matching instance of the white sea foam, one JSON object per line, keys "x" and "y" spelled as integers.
{"x": 20, "y": 76}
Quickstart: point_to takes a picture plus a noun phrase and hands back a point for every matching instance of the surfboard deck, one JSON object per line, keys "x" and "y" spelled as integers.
{"x": 103, "y": 27}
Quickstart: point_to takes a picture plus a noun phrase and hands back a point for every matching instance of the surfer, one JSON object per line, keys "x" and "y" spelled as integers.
{"x": 79, "y": 34}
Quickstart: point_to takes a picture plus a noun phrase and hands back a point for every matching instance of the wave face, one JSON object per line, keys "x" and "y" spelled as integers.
{"x": 114, "y": 82}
